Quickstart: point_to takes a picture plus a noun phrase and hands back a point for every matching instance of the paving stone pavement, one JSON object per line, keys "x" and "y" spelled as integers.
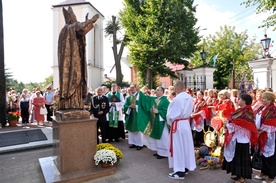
{"x": 22, "y": 166}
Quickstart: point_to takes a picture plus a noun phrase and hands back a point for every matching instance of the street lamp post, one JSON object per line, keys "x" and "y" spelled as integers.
{"x": 266, "y": 43}
{"x": 203, "y": 57}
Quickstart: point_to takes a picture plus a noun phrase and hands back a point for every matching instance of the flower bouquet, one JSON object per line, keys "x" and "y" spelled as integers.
{"x": 13, "y": 116}
{"x": 107, "y": 153}
{"x": 105, "y": 156}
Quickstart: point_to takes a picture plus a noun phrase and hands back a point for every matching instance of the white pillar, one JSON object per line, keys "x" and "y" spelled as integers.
{"x": 264, "y": 70}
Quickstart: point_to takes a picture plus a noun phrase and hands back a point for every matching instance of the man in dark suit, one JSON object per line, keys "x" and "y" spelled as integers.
{"x": 99, "y": 108}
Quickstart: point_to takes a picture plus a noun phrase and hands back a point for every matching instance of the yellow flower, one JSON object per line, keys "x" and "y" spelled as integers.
{"x": 108, "y": 146}
{"x": 210, "y": 161}
{"x": 103, "y": 146}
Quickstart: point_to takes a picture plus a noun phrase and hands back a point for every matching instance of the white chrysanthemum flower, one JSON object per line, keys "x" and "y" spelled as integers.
{"x": 105, "y": 156}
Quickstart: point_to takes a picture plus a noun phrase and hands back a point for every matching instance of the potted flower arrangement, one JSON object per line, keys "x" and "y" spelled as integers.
{"x": 12, "y": 118}
{"x": 107, "y": 155}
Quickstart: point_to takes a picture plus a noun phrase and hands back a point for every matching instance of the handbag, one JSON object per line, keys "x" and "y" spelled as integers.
{"x": 43, "y": 111}
{"x": 257, "y": 162}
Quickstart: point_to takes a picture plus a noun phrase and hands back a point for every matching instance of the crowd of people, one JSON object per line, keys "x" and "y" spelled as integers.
{"x": 172, "y": 121}
{"x": 28, "y": 104}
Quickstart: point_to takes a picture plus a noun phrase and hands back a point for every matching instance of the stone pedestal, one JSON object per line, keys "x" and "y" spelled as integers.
{"x": 75, "y": 144}
{"x": 74, "y": 147}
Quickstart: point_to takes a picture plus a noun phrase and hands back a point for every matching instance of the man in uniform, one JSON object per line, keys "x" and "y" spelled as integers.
{"x": 99, "y": 108}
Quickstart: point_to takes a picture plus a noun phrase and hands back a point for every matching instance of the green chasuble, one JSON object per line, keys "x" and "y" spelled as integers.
{"x": 137, "y": 121}
{"x": 155, "y": 127}
{"x": 113, "y": 115}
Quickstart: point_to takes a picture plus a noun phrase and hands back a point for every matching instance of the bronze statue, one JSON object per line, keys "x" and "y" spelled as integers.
{"x": 72, "y": 60}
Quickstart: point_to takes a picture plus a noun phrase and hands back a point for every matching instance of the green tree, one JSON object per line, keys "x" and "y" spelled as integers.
{"x": 112, "y": 29}
{"x": 159, "y": 31}
{"x": 47, "y": 81}
{"x": 32, "y": 86}
{"x": 234, "y": 50}
{"x": 9, "y": 79}
{"x": 262, "y": 7}
{"x": 13, "y": 83}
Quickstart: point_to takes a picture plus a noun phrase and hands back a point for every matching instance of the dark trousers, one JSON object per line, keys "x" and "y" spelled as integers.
{"x": 102, "y": 125}
{"x": 25, "y": 116}
{"x": 116, "y": 133}
{"x": 50, "y": 112}
{"x": 269, "y": 165}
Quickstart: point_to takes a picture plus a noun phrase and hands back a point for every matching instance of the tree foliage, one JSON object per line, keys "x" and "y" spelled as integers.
{"x": 262, "y": 7}
{"x": 234, "y": 50}
{"x": 19, "y": 86}
{"x": 159, "y": 31}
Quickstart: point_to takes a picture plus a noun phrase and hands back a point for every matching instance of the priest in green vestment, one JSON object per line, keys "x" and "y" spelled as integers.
{"x": 157, "y": 132}
{"x": 137, "y": 115}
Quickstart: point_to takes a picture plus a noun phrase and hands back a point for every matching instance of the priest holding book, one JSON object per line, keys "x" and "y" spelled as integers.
{"x": 116, "y": 128}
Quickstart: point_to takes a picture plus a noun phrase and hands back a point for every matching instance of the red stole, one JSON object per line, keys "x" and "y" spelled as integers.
{"x": 173, "y": 130}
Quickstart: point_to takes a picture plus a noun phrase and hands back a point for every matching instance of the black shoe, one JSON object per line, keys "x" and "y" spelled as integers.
{"x": 132, "y": 146}
{"x": 117, "y": 140}
{"x": 139, "y": 148}
{"x": 177, "y": 175}
{"x": 186, "y": 171}
{"x": 155, "y": 154}
{"x": 160, "y": 157}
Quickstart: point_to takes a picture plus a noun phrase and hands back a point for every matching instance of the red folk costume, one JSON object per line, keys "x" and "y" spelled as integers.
{"x": 268, "y": 124}
{"x": 211, "y": 101}
{"x": 36, "y": 102}
{"x": 200, "y": 107}
{"x": 224, "y": 110}
{"x": 243, "y": 118}
{"x": 257, "y": 106}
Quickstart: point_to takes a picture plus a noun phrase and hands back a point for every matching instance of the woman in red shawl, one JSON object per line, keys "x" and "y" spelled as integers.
{"x": 200, "y": 113}
{"x": 211, "y": 100}
{"x": 266, "y": 119}
{"x": 258, "y": 103}
{"x": 223, "y": 110}
{"x": 234, "y": 98}
{"x": 241, "y": 133}
{"x": 252, "y": 93}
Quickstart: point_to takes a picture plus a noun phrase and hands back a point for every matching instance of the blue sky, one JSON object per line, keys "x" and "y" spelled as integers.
{"x": 28, "y": 31}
